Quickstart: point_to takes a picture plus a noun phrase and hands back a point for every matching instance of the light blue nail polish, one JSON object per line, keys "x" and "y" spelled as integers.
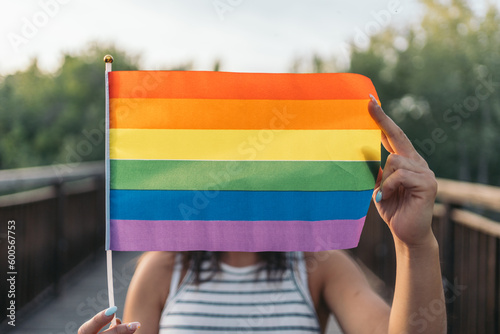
{"x": 378, "y": 197}
{"x": 110, "y": 311}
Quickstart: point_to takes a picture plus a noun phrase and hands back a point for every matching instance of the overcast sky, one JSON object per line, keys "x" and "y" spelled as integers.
{"x": 246, "y": 35}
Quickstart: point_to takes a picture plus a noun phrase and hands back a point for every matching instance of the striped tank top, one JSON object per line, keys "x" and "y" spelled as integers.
{"x": 241, "y": 300}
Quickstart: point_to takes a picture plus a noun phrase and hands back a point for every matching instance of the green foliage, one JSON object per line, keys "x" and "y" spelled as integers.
{"x": 48, "y": 118}
{"x": 440, "y": 81}
{"x": 43, "y": 116}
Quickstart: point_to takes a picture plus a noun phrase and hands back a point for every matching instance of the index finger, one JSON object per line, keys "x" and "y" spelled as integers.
{"x": 393, "y": 133}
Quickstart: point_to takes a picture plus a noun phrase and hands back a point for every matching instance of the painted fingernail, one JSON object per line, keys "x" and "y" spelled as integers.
{"x": 374, "y": 99}
{"x": 110, "y": 311}
{"x": 133, "y": 326}
{"x": 378, "y": 197}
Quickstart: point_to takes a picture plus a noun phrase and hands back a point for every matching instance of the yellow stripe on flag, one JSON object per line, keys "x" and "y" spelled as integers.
{"x": 302, "y": 145}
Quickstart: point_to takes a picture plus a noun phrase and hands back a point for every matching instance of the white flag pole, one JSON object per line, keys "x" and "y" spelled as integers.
{"x": 108, "y": 60}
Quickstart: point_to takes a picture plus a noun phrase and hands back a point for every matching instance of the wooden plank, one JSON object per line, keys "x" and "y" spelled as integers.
{"x": 491, "y": 263}
{"x": 12, "y": 179}
{"x": 439, "y": 230}
{"x": 85, "y": 185}
{"x": 389, "y": 260}
{"x": 439, "y": 210}
{"x": 28, "y": 197}
{"x": 465, "y": 193}
{"x": 464, "y": 300}
{"x": 482, "y": 281}
{"x": 457, "y": 322}
{"x": 497, "y": 288}
{"x": 472, "y": 290}
{"x": 476, "y": 222}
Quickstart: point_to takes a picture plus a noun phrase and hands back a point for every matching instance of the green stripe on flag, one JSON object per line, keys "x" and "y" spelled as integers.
{"x": 243, "y": 175}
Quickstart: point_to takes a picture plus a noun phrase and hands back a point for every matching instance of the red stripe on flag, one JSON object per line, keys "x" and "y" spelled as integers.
{"x": 226, "y": 85}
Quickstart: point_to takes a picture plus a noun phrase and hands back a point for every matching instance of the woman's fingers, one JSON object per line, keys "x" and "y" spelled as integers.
{"x": 94, "y": 325}
{"x": 117, "y": 322}
{"x": 100, "y": 320}
{"x": 123, "y": 328}
{"x": 415, "y": 182}
{"x": 395, "y": 162}
{"x": 393, "y": 138}
{"x": 386, "y": 144}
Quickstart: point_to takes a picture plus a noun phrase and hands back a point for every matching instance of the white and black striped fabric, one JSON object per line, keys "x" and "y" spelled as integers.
{"x": 242, "y": 300}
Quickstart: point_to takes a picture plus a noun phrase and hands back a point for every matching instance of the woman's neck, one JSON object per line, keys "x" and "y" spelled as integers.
{"x": 239, "y": 259}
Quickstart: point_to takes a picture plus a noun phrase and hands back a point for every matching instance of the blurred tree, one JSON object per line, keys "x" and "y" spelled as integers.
{"x": 440, "y": 81}
{"x": 48, "y": 118}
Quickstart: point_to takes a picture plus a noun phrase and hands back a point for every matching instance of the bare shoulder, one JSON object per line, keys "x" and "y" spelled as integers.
{"x": 327, "y": 270}
{"x": 330, "y": 264}
{"x": 334, "y": 270}
{"x": 149, "y": 287}
{"x": 153, "y": 273}
{"x": 156, "y": 262}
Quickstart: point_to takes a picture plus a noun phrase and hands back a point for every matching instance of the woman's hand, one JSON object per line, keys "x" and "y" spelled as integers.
{"x": 405, "y": 192}
{"x": 101, "y": 319}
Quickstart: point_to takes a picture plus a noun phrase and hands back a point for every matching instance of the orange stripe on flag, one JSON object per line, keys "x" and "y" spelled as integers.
{"x": 239, "y": 114}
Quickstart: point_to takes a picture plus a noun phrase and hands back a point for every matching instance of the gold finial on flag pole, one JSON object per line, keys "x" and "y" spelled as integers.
{"x": 108, "y": 59}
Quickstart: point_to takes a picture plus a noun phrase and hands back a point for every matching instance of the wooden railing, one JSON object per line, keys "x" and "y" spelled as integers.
{"x": 57, "y": 226}
{"x": 469, "y": 252}
{"x": 61, "y": 223}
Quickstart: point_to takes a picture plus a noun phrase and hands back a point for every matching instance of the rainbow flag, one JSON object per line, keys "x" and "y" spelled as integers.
{"x": 239, "y": 161}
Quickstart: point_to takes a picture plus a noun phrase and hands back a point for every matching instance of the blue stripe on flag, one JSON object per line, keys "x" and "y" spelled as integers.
{"x": 238, "y": 205}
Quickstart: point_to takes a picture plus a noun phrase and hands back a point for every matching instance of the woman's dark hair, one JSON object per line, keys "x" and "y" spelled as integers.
{"x": 275, "y": 263}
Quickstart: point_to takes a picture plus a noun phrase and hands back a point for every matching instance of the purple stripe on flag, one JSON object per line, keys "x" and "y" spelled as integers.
{"x": 244, "y": 236}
